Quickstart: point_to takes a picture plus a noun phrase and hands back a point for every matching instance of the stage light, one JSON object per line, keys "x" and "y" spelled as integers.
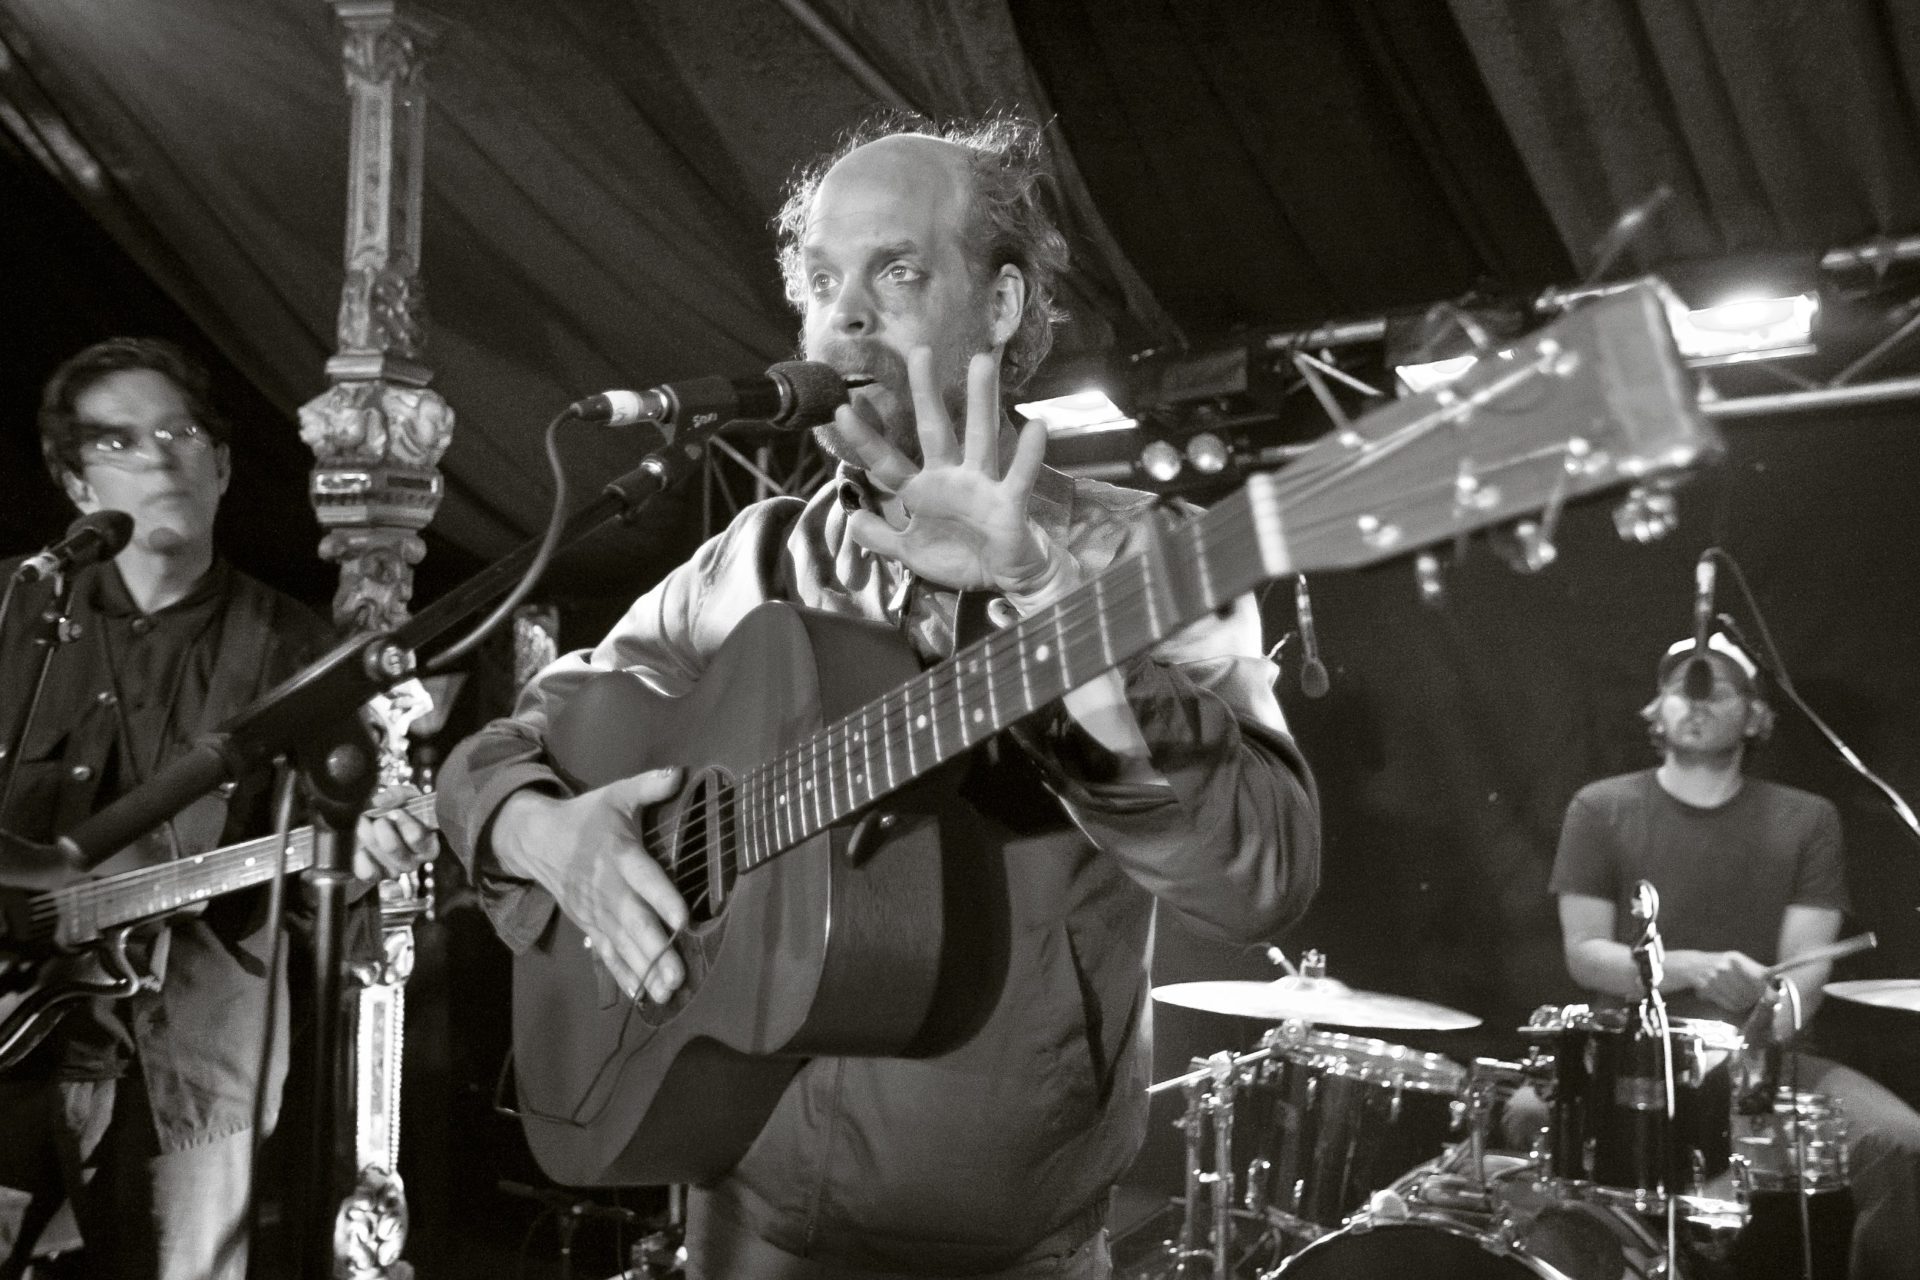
{"x": 1161, "y": 461}
{"x": 1417, "y": 378}
{"x": 1081, "y": 413}
{"x": 1207, "y": 453}
{"x": 1746, "y": 328}
{"x": 1434, "y": 347}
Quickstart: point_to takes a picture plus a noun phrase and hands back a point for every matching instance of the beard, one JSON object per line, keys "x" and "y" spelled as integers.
{"x": 886, "y": 404}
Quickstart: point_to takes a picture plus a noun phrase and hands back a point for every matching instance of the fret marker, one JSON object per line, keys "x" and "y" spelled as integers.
{"x": 978, "y": 715}
{"x": 250, "y": 861}
{"x": 1043, "y": 652}
{"x": 780, "y": 799}
{"x": 920, "y": 721}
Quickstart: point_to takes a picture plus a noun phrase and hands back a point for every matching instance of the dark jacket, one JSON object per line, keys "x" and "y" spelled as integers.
{"x": 174, "y": 674}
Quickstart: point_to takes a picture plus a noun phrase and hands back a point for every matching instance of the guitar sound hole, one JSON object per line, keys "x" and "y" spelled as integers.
{"x": 706, "y": 843}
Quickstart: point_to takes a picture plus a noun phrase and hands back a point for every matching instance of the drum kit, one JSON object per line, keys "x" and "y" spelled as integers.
{"x": 1657, "y": 1148}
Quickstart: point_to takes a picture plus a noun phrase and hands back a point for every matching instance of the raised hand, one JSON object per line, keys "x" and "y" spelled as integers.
{"x": 966, "y": 522}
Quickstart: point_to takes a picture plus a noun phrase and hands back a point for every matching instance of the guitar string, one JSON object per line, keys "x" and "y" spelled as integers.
{"x": 173, "y": 875}
{"x": 991, "y": 658}
{"x": 84, "y": 899}
{"x": 851, "y": 735}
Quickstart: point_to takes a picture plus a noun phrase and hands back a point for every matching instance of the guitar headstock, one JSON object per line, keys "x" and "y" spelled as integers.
{"x": 1597, "y": 399}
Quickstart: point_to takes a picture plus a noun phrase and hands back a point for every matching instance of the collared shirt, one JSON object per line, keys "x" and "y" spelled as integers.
{"x": 965, "y": 1157}
{"x": 126, "y": 693}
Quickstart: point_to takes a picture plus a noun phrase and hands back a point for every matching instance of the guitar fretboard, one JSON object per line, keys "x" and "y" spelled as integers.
{"x": 78, "y": 913}
{"x": 1186, "y": 571}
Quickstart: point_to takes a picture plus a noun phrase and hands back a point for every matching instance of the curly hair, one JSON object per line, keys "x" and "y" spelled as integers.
{"x": 1011, "y": 222}
{"x": 61, "y": 430}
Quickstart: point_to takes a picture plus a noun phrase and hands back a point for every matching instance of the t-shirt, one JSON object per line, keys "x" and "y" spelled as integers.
{"x": 1725, "y": 875}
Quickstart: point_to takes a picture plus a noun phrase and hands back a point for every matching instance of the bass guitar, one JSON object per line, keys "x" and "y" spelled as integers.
{"x": 815, "y": 881}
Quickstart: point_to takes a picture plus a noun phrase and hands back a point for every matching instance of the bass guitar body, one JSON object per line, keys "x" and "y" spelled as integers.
{"x": 831, "y": 947}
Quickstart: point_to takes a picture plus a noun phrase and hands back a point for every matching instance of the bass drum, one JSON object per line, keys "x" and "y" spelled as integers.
{"x": 1434, "y": 1224}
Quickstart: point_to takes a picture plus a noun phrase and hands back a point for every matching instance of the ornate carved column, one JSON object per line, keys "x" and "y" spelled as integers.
{"x": 378, "y": 432}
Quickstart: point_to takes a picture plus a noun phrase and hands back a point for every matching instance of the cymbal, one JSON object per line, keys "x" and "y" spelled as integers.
{"x": 1887, "y": 993}
{"x": 1322, "y": 1000}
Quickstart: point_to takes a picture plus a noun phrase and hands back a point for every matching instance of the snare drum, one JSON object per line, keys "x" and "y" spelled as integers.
{"x": 1603, "y": 1078}
{"x": 1330, "y": 1118}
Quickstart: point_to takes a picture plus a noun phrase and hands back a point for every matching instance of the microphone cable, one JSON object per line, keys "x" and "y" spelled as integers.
{"x": 556, "y": 524}
{"x": 1778, "y": 670}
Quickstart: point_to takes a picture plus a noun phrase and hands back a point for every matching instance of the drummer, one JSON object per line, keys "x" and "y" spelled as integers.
{"x": 1748, "y": 872}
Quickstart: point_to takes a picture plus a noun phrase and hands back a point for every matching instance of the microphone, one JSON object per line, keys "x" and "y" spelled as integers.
{"x": 1698, "y": 683}
{"x": 98, "y": 535}
{"x": 793, "y": 395}
{"x": 1313, "y": 672}
{"x": 1649, "y": 953}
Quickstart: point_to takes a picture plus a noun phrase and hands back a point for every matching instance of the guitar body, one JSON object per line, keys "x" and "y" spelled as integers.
{"x": 37, "y": 991}
{"x": 812, "y": 952}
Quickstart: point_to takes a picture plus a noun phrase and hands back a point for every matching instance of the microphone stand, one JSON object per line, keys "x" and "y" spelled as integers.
{"x": 53, "y": 629}
{"x": 338, "y": 763}
{"x": 1650, "y": 957}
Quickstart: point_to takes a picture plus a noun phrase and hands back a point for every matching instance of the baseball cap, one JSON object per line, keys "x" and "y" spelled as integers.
{"x": 1681, "y": 650}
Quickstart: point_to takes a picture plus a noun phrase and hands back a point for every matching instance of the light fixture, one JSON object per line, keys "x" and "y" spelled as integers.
{"x": 1081, "y": 413}
{"x": 1161, "y": 461}
{"x": 1207, "y": 453}
{"x": 1417, "y": 378}
{"x": 1745, "y": 327}
{"x": 1434, "y": 347}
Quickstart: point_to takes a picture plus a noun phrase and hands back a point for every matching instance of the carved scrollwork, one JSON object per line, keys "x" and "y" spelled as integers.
{"x": 372, "y": 422}
{"x": 376, "y": 573}
{"x": 380, "y": 53}
{"x": 371, "y": 1228}
{"x": 382, "y": 309}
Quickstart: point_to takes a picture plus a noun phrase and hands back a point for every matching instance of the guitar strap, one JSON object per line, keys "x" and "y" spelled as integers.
{"x": 241, "y": 633}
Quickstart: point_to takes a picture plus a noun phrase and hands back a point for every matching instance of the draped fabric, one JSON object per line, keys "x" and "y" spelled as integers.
{"x": 1786, "y": 124}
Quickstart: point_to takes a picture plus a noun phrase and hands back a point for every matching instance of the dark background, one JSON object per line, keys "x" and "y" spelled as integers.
{"x": 1350, "y": 161}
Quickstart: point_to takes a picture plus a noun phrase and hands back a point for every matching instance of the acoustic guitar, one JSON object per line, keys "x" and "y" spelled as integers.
{"x": 799, "y": 838}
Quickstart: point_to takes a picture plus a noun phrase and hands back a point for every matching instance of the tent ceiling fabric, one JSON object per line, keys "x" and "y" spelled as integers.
{"x": 601, "y": 173}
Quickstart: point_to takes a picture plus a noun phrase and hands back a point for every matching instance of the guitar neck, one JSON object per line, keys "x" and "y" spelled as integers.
{"x": 80, "y": 912}
{"x": 1597, "y": 400}
{"x": 1185, "y": 572}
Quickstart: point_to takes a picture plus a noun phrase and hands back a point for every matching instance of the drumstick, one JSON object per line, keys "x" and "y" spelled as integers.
{"x": 1832, "y": 951}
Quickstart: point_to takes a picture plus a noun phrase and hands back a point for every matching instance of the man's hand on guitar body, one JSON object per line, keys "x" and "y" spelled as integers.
{"x": 586, "y": 852}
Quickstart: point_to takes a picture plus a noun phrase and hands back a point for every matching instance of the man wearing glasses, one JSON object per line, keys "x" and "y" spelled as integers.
{"x": 141, "y": 1109}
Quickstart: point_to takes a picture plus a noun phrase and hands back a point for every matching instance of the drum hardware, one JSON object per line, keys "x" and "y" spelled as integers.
{"x": 1883, "y": 993}
{"x": 1210, "y": 1089}
{"x": 1309, "y": 995}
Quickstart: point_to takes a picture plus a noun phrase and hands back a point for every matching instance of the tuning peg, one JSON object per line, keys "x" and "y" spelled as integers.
{"x": 1526, "y": 547}
{"x": 1432, "y": 579}
{"x": 1648, "y": 513}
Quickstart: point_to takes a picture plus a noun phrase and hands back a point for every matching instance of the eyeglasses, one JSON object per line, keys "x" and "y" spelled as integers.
{"x": 121, "y": 447}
